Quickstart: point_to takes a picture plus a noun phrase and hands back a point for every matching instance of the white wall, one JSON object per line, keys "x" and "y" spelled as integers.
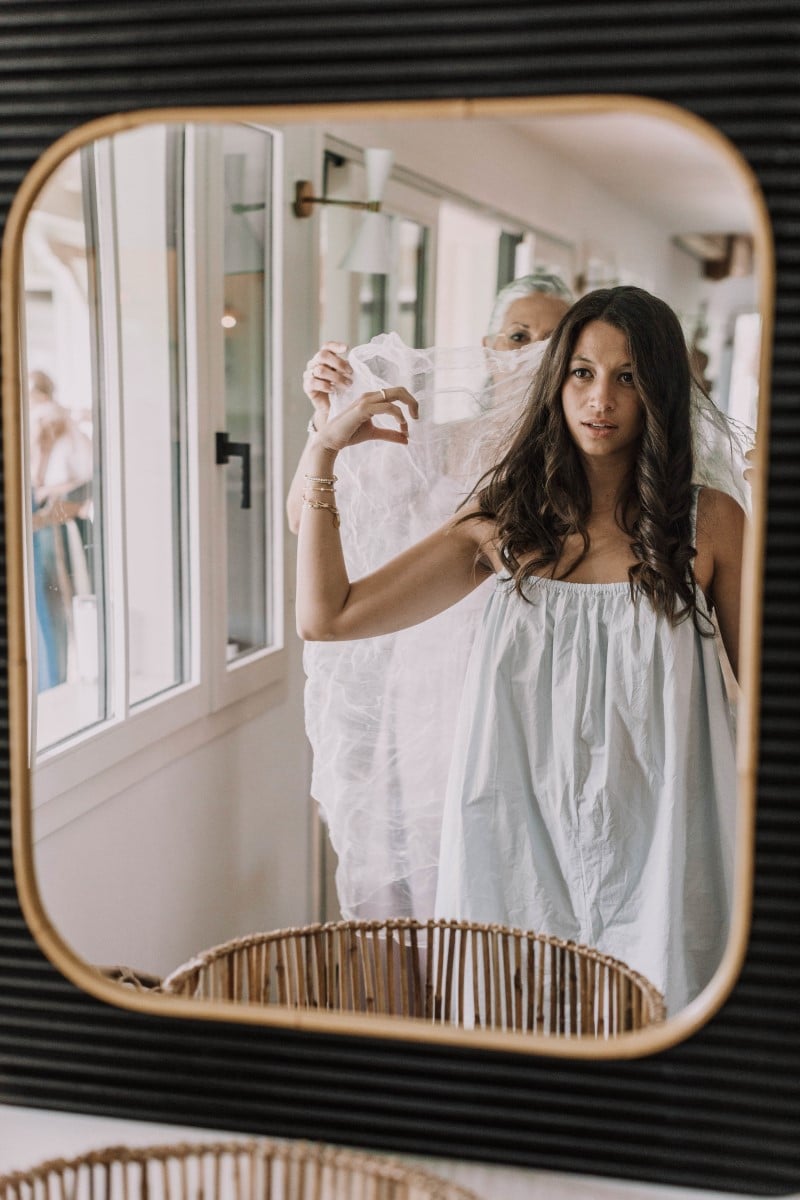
{"x": 214, "y": 845}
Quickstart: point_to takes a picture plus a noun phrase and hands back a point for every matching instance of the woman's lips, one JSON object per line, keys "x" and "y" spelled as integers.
{"x": 598, "y": 429}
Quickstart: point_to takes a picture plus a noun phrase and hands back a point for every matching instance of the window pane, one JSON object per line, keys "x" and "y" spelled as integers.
{"x": 371, "y": 307}
{"x": 148, "y": 207}
{"x": 63, "y": 360}
{"x": 246, "y": 321}
{"x": 507, "y": 255}
{"x": 412, "y": 240}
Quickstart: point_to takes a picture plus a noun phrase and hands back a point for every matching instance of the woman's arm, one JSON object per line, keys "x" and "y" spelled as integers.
{"x": 724, "y": 522}
{"x": 416, "y": 585}
{"x": 328, "y": 371}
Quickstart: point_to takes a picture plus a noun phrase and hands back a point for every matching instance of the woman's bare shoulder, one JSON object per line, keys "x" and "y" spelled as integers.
{"x": 720, "y": 520}
{"x": 479, "y": 530}
{"x": 714, "y": 506}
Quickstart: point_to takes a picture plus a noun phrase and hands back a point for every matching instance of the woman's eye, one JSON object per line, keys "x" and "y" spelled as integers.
{"x": 581, "y": 372}
{"x": 519, "y": 338}
{"x": 627, "y": 378}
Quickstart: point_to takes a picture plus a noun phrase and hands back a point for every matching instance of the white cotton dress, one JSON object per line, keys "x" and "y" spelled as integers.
{"x": 592, "y": 789}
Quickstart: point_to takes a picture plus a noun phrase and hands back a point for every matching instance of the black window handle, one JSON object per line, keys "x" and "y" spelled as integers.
{"x": 226, "y": 450}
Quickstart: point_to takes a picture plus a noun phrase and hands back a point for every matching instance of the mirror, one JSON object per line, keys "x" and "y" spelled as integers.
{"x": 169, "y": 301}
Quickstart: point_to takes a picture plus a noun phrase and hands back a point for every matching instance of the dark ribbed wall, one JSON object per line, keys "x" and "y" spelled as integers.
{"x": 721, "y": 1111}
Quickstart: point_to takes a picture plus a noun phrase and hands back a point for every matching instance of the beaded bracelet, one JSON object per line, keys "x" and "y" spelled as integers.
{"x": 331, "y": 479}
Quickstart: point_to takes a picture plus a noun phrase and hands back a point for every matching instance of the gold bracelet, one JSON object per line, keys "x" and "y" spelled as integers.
{"x": 330, "y": 507}
{"x": 323, "y": 479}
{"x": 331, "y": 491}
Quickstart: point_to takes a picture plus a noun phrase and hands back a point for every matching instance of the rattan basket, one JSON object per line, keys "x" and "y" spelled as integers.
{"x": 449, "y": 972}
{"x": 235, "y": 1170}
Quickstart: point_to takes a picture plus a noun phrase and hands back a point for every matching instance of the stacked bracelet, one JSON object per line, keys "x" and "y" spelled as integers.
{"x": 332, "y": 509}
{"x": 325, "y": 483}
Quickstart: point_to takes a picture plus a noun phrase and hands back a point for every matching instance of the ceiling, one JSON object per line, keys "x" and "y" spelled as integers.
{"x": 683, "y": 180}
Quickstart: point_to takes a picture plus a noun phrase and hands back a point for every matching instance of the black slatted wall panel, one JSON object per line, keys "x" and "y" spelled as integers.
{"x": 720, "y": 1111}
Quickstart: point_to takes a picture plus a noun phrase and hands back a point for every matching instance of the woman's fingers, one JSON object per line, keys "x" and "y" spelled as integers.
{"x": 387, "y": 403}
{"x": 355, "y": 423}
{"x": 379, "y": 434}
{"x": 326, "y": 375}
{"x": 328, "y": 370}
{"x": 387, "y": 409}
{"x": 389, "y": 398}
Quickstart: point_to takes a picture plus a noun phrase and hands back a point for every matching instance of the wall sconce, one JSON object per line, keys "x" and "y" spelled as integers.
{"x": 370, "y": 251}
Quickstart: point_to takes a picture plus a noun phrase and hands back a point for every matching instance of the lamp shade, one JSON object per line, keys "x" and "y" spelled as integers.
{"x": 378, "y": 164}
{"x": 371, "y": 249}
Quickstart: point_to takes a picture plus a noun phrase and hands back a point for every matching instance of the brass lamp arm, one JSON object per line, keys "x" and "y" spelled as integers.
{"x": 304, "y": 200}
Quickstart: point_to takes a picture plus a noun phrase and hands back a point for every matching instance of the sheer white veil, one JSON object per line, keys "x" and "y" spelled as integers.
{"x": 381, "y": 712}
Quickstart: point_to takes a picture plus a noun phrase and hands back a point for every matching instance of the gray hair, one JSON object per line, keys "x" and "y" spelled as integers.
{"x": 526, "y": 285}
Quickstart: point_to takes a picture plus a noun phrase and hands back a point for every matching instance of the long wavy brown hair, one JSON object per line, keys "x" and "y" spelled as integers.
{"x": 539, "y": 494}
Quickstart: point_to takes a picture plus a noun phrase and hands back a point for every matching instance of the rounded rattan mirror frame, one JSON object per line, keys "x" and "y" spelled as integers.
{"x": 630, "y": 1045}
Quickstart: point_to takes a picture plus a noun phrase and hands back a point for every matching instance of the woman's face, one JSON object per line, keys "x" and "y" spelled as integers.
{"x": 603, "y": 410}
{"x": 529, "y": 319}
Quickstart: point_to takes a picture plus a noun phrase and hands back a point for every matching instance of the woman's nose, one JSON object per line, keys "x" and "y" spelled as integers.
{"x": 601, "y": 396}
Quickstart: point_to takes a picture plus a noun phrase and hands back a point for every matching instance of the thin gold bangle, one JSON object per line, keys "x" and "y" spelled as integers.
{"x": 332, "y": 509}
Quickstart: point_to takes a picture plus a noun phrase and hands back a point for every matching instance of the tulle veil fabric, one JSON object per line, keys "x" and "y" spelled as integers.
{"x": 381, "y": 712}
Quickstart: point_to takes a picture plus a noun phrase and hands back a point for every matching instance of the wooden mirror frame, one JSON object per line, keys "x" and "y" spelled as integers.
{"x": 676, "y": 1116}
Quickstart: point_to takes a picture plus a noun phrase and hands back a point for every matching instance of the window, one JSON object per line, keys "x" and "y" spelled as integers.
{"x": 153, "y": 581}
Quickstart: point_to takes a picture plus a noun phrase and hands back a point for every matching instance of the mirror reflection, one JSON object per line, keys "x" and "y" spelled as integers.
{"x": 203, "y": 335}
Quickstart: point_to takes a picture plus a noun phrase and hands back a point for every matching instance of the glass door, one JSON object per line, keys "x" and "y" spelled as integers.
{"x": 245, "y": 321}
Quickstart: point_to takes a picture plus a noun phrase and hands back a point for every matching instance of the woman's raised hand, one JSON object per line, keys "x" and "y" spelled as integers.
{"x": 328, "y": 371}
{"x": 355, "y": 423}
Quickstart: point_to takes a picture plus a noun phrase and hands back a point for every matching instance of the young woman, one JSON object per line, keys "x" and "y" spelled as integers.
{"x": 593, "y": 782}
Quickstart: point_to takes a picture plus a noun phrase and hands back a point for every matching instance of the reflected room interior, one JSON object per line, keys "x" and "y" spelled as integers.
{"x": 172, "y": 298}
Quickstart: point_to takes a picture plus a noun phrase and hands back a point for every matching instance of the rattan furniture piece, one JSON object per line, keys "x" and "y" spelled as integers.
{"x": 132, "y": 977}
{"x": 234, "y": 1170}
{"x": 446, "y": 972}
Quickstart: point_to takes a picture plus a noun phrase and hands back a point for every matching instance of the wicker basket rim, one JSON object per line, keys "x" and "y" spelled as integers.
{"x": 317, "y": 1153}
{"x": 205, "y": 958}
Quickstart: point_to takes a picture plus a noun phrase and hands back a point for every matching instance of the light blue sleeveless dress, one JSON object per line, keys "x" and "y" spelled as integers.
{"x": 592, "y": 790}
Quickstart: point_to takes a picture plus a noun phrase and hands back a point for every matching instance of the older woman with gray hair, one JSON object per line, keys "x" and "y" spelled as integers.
{"x": 527, "y": 310}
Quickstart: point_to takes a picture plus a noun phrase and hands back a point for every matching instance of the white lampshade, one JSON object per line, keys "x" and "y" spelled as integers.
{"x": 378, "y": 164}
{"x": 371, "y": 249}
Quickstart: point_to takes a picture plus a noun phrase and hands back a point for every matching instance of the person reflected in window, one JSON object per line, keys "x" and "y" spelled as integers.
{"x": 61, "y": 474}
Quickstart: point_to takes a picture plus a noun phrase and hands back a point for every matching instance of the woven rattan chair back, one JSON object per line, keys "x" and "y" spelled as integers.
{"x": 228, "y": 1171}
{"x": 449, "y": 972}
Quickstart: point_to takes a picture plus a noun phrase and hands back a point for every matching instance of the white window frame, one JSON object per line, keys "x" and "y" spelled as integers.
{"x": 99, "y": 762}
{"x": 231, "y": 682}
